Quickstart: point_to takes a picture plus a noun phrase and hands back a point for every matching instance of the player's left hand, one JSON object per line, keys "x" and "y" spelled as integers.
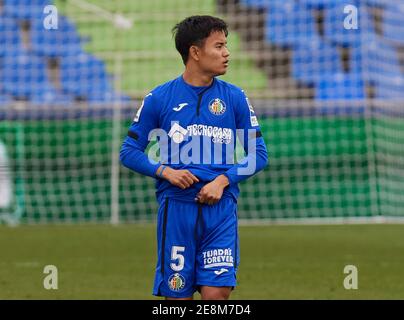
{"x": 212, "y": 192}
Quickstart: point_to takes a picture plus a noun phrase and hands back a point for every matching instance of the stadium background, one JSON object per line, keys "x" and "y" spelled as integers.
{"x": 330, "y": 104}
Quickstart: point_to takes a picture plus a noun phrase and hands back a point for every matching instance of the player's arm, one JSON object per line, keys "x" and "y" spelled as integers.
{"x": 181, "y": 178}
{"x": 254, "y": 146}
{"x": 256, "y": 155}
{"x": 132, "y": 153}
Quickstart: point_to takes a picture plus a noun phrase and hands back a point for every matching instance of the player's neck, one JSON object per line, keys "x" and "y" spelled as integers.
{"x": 197, "y": 79}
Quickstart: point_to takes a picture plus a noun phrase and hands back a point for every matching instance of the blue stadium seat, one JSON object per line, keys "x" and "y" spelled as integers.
{"x": 47, "y": 94}
{"x": 339, "y": 86}
{"x": 319, "y": 4}
{"x": 390, "y": 88}
{"x": 263, "y": 4}
{"x": 10, "y": 38}
{"x": 84, "y": 76}
{"x": 24, "y": 9}
{"x": 335, "y": 29}
{"x": 23, "y": 74}
{"x": 5, "y": 100}
{"x": 258, "y": 4}
{"x": 393, "y": 26}
{"x": 337, "y": 89}
{"x": 379, "y": 60}
{"x": 107, "y": 97}
{"x": 24, "y": 77}
{"x": 55, "y": 42}
{"x": 379, "y": 3}
{"x": 289, "y": 22}
{"x": 312, "y": 59}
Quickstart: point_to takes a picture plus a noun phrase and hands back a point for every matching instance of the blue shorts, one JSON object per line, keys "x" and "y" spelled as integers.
{"x": 197, "y": 245}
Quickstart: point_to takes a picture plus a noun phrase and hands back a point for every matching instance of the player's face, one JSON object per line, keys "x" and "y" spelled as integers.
{"x": 214, "y": 55}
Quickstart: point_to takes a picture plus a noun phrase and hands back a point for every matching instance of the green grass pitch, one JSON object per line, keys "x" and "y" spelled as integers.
{"x": 277, "y": 262}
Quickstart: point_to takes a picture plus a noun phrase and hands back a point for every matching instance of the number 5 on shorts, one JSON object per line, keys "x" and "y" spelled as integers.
{"x": 175, "y": 255}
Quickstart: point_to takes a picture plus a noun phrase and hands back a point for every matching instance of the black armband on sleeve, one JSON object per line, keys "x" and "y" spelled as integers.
{"x": 133, "y": 135}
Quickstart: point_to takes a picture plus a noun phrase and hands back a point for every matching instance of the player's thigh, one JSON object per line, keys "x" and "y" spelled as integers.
{"x": 175, "y": 272}
{"x": 218, "y": 252}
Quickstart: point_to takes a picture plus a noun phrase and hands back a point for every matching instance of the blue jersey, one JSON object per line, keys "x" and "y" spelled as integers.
{"x": 197, "y": 130}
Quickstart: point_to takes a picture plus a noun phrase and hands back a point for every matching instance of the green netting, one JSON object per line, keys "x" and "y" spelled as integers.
{"x": 319, "y": 167}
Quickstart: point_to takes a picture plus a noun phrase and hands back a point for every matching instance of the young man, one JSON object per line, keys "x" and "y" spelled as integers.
{"x": 198, "y": 118}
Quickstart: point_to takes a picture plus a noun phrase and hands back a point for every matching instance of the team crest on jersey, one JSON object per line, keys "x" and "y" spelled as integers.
{"x": 176, "y": 282}
{"x": 217, "y": 107}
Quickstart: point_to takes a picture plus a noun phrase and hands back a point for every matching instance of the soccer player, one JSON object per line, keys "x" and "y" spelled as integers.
{"x": 198, "y": 118}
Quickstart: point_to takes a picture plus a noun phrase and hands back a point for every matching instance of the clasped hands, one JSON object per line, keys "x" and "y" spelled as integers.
{"x": 210, "y": 194}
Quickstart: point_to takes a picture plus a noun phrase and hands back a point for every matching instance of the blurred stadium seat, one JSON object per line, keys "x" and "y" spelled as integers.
{"x": 4, "y": 100}
{"x": 341, "y": 93}
{"x": 335, "y": 29}
{"x": 48, "y": 95}
{"x": 84, "y": 76}
{"x": 340, "y": 86}
{"x": 379, "y": 3}
{"x": 319, "y": 4}
{"x": 258, "y": 4}
{"x": 390, "y": 88}
{"x": 110, "y": 96}
{"x": 24, "y": 9}
{"x": 289, "y": 22}
{"x": 10, "y": 37}
{"x": 314, "y": 58}
{"x": 379, "y": 60}
{"x": 24, "y": 75}
{"x": 55, "y": 42}
{"x": 25, "y": 70}
{"x": 393, "y": 26}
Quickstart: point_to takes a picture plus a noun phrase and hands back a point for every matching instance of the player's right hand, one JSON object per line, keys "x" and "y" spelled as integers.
{"x": 180, "y": 178}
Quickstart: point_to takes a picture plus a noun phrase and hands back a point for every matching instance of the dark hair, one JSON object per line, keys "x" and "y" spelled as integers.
{"x": 194, "y": 30}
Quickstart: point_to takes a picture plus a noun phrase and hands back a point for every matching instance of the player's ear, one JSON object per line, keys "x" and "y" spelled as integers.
{"x": 194, "y": 52}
